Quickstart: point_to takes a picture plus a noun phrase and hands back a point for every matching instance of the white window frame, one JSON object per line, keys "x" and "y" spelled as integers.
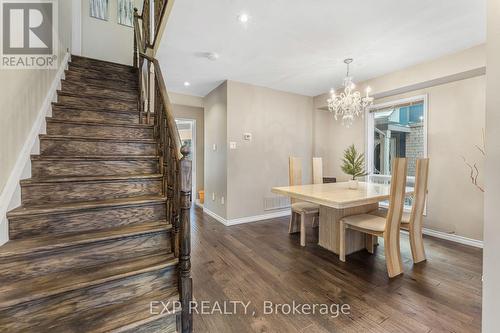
{"x": 369, "y": 128}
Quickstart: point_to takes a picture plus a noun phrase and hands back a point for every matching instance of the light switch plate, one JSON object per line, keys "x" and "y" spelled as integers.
{"x": 214, "y": 147}
{"x": 232, "y": 145}
{"x": 213, "y": 196}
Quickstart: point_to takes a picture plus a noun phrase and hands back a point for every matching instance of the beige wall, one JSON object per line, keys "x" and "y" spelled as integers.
{"x": 456, "y": 117}
{"x": 491, "y": 285}
{"x": 195, "y": 113}
{"x": 22, "y": 94}
{"x": 186, "y": 100}
{"x": 107, "y": 40}
{"x": 216, "y": 160}
{"x": 281, "y": 125}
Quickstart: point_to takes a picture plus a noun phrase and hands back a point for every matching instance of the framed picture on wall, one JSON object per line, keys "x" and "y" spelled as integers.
{"x": 126, "y": 12}
{"x": 99, "y": 9}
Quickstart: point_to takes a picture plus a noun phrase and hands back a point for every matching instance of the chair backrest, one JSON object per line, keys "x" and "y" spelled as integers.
{"x": 317, "y": 170}
{"x": 420, "y": 192}
{"x": 397, "y": 197}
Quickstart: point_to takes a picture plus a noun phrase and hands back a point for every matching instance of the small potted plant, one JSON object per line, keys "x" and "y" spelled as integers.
{"x": 354, "y": 165}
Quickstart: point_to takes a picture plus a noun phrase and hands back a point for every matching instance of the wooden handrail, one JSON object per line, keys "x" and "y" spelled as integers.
{"x": 166, "y": 101}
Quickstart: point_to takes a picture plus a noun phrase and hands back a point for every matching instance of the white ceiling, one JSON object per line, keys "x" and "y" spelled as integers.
{"x": 299, "y": 45}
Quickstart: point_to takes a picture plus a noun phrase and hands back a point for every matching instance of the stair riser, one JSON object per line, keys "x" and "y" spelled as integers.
{"x": 101, "y": 65}
{"x": 98, "y": 116}
{"x": 75, "y": 311}
{"x": 94, "y": 80}
{"x": 62, "y": 168}
{"x": 58, "y": 260}
{"x": 87, "y": 191}
{"x": 107, "y": 104}
{"x": 82, "y": 88}
{"x": 91, "y": 131}
{"x": 118, "y": 77}
{"x": 83, "y": 147}
{"x": 84, "y": 221}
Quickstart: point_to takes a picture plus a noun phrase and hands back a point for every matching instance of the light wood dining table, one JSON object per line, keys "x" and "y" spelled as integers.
{"x": 336, "y": 201}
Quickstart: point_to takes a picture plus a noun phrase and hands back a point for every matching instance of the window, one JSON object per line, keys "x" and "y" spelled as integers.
{"x": 396, "y": 129}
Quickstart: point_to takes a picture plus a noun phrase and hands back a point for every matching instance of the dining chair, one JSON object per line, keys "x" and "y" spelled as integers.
{"x": 301, "y": 210}
{"x": 413, "y": 222}
{"x": 388, "y": 228}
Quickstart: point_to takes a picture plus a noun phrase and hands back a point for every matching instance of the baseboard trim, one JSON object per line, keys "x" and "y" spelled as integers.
{"x": 10, "y": 196}
{"x": 453, "y": 238}
{"x": 256, "y": 218}
{"x": 248, "y": 219}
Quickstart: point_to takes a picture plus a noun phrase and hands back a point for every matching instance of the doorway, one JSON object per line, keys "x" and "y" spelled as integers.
{"x": 187, "y": 133}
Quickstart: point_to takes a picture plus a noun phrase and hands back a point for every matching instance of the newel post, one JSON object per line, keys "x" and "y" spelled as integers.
{"x": 185, "y": 283}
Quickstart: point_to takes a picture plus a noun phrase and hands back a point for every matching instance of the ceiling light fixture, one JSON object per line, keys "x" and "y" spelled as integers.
{"x": 187, "y": 84}
{"x": 349, "y": 104}
{"x": 212, "y": 56}
{"x": 243, "y": 18}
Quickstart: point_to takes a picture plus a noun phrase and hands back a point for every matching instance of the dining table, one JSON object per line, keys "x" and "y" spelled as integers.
{"x": 337, "y": 200}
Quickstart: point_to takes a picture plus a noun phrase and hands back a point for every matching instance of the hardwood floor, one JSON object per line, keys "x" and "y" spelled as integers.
{"x": 260, "y": 262}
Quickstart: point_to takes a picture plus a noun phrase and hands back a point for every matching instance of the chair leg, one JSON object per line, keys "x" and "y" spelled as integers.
{"x": 342, "y": 230}
{"x": 370, "y": 243}
{"x": 302, "y": 229}
{"x": 393, "y": 255}
{"x": 417, "y": 245}
{"x": 292, "y": 226}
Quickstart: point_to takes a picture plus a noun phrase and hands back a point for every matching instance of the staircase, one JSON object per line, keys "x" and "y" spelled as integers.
{"x": 92, "y": 244}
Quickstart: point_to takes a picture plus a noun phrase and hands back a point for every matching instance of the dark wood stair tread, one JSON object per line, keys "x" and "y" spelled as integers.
{"x": 93, "y": 158}
{"x": 41, "y": 244}
{"x": 122, "y": 317}
{"x": 88, "y": 96}
{"x": 58, "y": 208}
{"x": 87, "y": 179}
{"x": 117, "y": 316}
{"x": 92, "y": 108}
{"x": 84, "y": 138}
{"x": 27, "y": 290}
{"x": 97, "y": 123}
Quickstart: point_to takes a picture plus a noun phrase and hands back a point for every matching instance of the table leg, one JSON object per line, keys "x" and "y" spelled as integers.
{"x": 329, "y": 235}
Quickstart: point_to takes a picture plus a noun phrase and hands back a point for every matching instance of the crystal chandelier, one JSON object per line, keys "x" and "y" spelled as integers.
{"x": 349, "y": 104}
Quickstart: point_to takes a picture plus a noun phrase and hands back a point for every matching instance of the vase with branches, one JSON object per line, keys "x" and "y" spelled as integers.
{"x": 353, "y": 165}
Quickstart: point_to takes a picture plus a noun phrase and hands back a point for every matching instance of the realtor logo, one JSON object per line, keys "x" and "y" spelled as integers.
{"x": 28, "y": 34}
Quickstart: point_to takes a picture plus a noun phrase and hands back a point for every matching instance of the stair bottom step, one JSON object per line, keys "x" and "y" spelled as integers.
{"x": 69, "y": 315}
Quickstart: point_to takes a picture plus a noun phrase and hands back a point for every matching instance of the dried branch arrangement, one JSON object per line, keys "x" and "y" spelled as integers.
{"x": 474, "y": 170}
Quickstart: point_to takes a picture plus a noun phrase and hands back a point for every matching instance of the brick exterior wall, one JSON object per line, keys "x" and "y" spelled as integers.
{"x": 414, "y": 146}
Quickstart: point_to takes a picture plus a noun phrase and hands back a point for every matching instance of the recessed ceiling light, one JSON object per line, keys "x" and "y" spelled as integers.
{"x": 243, "y": 18}
{"x": 187, "y": 84}
{"x": 212, "y": 56}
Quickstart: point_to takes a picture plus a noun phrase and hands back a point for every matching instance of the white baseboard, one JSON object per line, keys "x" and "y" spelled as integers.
{"x": 453, "y": 238}
{"x": 429, "y": 232}
{"x": 248, "y": 219}
{"x": 11, "y": 194}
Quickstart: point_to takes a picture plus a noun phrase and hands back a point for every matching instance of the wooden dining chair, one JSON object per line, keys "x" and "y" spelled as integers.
{"x": 302, "y": 210}
{"x": 413, "y": 222}
{"x": 388, "y": 227}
